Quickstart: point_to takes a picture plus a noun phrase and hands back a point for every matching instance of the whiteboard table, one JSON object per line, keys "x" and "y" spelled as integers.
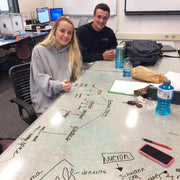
{"x": 89, "y": 134}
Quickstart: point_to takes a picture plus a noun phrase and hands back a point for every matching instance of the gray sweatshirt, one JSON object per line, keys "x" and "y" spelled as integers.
{"x": 49, "y": 68}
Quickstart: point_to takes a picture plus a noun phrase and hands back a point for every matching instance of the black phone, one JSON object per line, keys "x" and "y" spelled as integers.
{"x": 156, "y": 155}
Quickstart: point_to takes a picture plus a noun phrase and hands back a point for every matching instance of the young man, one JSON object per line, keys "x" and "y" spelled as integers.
{"x": 96, "y": 40}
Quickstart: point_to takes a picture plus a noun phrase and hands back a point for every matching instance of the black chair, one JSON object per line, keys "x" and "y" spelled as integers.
{"x": 23, "y": 49}
{"x": 20, "y": 78}
{"x": 82, "y": 21}
{"x": 5, "y": 143}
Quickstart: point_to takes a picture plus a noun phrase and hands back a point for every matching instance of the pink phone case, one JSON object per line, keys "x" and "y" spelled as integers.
{"x": 159, "y": 156}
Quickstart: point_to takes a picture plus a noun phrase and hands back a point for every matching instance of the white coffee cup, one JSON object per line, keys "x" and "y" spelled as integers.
{"x": 38, "y": 29}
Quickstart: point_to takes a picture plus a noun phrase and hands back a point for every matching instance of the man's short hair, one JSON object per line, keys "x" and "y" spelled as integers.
{"x": 103, "y": 7}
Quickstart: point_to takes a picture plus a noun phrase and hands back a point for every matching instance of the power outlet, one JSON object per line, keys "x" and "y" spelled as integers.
{"x": 172, "y": 37}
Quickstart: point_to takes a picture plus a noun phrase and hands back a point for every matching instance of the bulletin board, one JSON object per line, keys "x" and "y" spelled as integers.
{"x": 84, "y": 7}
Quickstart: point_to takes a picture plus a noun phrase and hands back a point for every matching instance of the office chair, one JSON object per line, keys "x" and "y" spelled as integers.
{"x": 24, "y": 49}
{"x": 83, "y": 21}
{"x": 22, "y": 54}
{"x": 20, "y": 79}
{"x": 5, "y": 143}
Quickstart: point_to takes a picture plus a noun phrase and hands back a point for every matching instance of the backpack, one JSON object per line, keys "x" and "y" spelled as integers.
{"x": 143, "y": 52}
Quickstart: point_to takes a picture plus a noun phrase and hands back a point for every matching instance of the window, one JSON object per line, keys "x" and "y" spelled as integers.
{"x": 9, "y": 6}
{"x": 4, "y": 6}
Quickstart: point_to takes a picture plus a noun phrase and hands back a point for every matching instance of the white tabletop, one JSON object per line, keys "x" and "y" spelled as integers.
{"x": 89, "y": 134}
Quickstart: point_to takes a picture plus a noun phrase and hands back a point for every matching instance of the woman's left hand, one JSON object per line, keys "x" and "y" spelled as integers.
{"x": 66, "y": 86}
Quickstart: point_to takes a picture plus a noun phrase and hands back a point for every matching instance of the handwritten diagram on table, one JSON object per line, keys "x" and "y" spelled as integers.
{"x": 83, "y": 137}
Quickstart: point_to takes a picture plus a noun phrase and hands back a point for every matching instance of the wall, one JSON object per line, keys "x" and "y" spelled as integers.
{"x": 83, "y": 7}
{"x": 165, "y": 27}
{"x": 147, "y": 26}
{"x": 28, "y": 8}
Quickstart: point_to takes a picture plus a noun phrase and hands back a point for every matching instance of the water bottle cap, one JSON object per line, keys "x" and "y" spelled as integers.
{"x": 167, "y": 82}
{"x": 127, "y": 59}
{"x": 119, "y": 47}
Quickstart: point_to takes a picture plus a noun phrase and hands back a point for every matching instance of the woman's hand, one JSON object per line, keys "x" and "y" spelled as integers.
{"x": 66, "y": 85}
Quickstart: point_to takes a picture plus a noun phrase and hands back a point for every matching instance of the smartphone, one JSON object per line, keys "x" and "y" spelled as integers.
{"x": 156, "y": 155}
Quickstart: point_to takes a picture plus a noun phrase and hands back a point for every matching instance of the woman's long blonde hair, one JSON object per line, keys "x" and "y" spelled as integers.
{"x": 74, "y": 52}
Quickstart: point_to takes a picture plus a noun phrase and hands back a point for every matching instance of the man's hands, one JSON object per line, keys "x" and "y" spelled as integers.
{"x": 109, "y": 54}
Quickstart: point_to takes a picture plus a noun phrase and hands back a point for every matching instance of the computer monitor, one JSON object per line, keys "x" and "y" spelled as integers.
{"x": 55, "y": 13}
{"x": 43, "y": 15}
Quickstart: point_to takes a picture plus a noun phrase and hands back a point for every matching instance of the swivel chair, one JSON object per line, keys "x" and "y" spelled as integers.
{"x": 82, "y": 21}
{"x": 20, "y": 79}
{"x": 23, "y": 49}
{"x": 5, "y": 143}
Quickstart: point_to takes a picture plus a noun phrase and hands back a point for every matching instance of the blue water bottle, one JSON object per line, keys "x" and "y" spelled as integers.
{"x": 119, "y": 59}
{"x": 164, "y": 97}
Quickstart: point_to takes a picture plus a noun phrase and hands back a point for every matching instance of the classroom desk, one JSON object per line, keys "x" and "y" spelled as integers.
{"x": 33, "y": 35}
{"x": 46, "y": 29}
{"x": 89, "y": 134}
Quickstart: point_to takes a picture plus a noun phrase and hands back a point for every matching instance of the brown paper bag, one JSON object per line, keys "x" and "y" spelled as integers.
{"x": 144, "y": 74}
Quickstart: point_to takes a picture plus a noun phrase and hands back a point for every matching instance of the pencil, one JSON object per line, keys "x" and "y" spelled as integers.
{"x": 153, "y": 142}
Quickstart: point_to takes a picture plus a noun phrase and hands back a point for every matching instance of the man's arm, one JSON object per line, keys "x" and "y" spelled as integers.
{"x": 83, "y": 39}
{"x": 89, "y": 57}
{"x": 112, "y": 40}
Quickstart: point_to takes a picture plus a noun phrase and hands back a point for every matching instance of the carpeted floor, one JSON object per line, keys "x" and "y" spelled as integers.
{"x": 11, "y": 125}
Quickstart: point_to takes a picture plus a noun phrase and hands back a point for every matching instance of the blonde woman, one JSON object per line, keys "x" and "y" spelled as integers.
{"x": 55, "y": 62}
